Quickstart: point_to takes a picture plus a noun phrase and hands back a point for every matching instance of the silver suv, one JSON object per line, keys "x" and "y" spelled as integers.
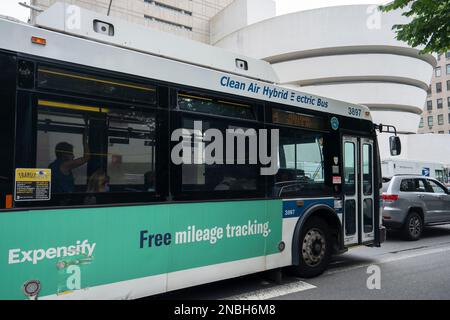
{"x": 411, "y": 202}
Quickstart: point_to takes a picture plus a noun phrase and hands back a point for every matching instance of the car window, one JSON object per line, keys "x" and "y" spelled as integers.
{"x": 407, "y": 185}
{"x": 420, "y": 186}
{"x": 436, "y": 187}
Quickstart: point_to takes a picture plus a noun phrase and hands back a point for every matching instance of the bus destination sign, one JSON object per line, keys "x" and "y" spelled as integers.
{"x": 297, "y": 119}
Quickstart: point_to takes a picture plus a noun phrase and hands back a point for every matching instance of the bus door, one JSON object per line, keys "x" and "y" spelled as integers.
{"x": 358, "y": 218}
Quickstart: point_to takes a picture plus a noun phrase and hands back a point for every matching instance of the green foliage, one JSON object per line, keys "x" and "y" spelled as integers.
{"x": 429, "y": 24}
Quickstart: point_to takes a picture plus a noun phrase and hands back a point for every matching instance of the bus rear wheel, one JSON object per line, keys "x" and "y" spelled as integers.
{"x": 315, "y": 249}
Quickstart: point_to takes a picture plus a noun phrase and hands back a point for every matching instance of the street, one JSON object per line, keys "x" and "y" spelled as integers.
{"x": 409, "y": 270}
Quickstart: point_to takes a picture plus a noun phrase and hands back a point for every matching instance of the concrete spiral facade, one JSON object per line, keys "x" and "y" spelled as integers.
{"x": 345, "y": 52}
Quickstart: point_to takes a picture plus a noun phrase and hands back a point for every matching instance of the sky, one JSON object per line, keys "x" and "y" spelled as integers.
{"x": 287, "y": 6}
{"x": 11, "y": 7}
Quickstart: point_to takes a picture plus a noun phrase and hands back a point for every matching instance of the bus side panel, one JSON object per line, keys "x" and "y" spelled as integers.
{"x": 73, "y": 249}
{"x": 250, "y": 229}
{"x": 8, "y": 67}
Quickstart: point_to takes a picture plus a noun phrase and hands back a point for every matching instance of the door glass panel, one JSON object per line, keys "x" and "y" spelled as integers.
{"x": 350, "y": 217}
{"x": 368, "y": 217}
{"x": 367, "y": 169}
{"x": 349, "y": 168}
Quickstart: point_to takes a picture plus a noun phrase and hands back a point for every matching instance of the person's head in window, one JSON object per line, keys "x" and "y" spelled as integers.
{"x": 64, "y": 151}
{"x": 98, "y": 182}
{"x": 63, "y": 180}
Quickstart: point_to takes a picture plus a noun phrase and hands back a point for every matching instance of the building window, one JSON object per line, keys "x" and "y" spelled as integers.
{"x": 441, "y": 132}
{"x": 448, "y": 69}
{"x": 437, "y": 72}
{"x": 173, "y": 24}
{"x": 447, "y": 55}
{"x": 429, "y": 105}
{"x": 448, "y": 102}
{"x": 168, "y": 7}
{"x": 449, "y": 118}
{"x": 421, "y": 122}
{"x": 440, "y": 119}
{"x": 438, "y": 87}
{"x": 430, "y": 121}
{"x": 448, "y": 85}
{"x": 439, "y": 103}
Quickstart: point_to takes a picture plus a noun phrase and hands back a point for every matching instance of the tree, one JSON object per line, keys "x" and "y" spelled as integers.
{"x": 429, "y": 25}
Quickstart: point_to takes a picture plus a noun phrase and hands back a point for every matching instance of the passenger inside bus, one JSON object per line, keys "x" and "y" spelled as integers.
{"x": 98, "y": 183}
{"x": 62, "y": 177}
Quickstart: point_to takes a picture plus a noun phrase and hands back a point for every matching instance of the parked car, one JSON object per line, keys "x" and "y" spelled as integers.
{"x": 411, "y": 202}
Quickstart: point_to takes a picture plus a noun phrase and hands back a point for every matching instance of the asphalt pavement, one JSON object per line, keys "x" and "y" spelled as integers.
{"x": 399, "y": 270}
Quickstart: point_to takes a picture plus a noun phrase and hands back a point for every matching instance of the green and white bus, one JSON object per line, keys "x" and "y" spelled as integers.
{"x": 124, "y": 221}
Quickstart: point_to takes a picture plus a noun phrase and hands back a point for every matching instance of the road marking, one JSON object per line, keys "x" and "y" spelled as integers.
{"x": 391, "y": 259}
{"x": 269, "y": 293}
{"x": 409, "y": 249}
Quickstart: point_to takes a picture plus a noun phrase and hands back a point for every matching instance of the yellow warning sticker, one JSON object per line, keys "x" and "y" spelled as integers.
{"x": 32, "y": 184}
{"x": 35, "y": 175}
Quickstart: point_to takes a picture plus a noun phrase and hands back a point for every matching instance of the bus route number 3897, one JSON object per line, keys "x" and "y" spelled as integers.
{"x": 354, "y": 111}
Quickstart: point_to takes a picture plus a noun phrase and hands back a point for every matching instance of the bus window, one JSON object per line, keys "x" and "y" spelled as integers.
{"x": 217, "y": 177}
{"x": 301, "y": 169}
{"x": 60, "y": 135}
{"x": 131, "y": 150}
{"x": 193, "y": 102}
{"x": 96, "y": 149}
{"x": 93, "y": 85}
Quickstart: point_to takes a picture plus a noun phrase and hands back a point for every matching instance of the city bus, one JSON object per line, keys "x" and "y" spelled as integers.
{"x": 92, "y": 203}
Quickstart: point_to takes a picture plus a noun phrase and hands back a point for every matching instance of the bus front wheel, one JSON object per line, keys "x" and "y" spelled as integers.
{"x": 315, "y": 249}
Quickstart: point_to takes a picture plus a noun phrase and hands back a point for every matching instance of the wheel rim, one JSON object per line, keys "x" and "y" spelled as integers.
{"x": 415, "y": 226}
{"x": 313, "y": 247}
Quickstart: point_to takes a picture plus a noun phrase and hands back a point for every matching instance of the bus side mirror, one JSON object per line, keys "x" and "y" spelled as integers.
{"x": 396, "y": 145}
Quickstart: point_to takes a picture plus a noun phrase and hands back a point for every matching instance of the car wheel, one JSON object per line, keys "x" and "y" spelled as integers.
{"x": 413, "y": 227}
{"x": 315, "y": 249}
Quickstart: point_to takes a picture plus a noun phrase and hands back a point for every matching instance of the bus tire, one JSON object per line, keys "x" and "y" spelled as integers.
{"x": 315, "y": 249}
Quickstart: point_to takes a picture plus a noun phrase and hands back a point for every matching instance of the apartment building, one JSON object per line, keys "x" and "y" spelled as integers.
{"x": 436, "y": 114}
{"x": 186, "y": 18}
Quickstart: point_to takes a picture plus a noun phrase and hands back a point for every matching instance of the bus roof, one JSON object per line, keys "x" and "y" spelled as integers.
{"x": 134, "y": 57}
{"x": 67, "y": 18}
